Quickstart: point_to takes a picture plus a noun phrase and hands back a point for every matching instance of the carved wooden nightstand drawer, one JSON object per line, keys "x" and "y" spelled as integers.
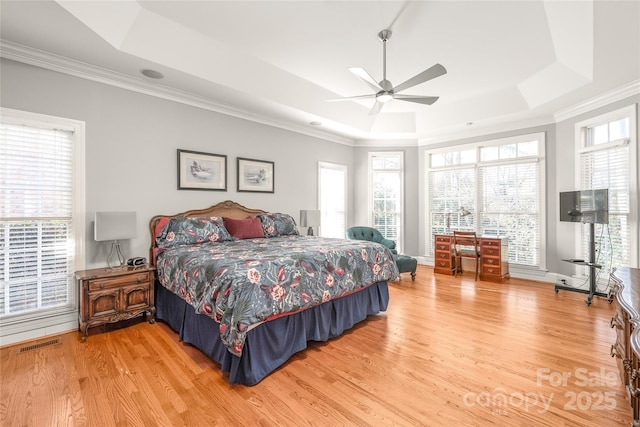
{"x": 116, "y": 282}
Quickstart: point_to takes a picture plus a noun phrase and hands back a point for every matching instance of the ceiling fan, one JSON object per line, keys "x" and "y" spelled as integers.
{"x": 385, "y": 91}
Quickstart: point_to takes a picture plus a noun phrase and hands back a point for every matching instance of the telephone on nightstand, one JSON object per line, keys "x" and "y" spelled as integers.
{"x": 136, "y": 262}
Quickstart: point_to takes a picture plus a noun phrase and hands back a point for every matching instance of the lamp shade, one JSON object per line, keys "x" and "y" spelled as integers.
{"x": 114, "y": 226}
{"x": 309, "y": 218}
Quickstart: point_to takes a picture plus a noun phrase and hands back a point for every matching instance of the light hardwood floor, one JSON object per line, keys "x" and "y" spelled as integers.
{"x": 449, "y": 351}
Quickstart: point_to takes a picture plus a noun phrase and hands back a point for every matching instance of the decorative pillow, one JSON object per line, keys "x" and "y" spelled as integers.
{"x": 189, "y": 231}
{"x": 248, "y": 228}
{"x": 162, "y": 222}
{"x": 278, "y": 224}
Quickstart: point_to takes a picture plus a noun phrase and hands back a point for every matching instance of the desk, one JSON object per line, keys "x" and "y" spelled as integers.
{"x": 494, "y": 252}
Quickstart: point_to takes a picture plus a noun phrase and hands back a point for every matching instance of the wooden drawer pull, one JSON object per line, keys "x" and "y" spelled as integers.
{"x": 615, "y": 323}
{"x": 614, "y": 351}
{"x": 633, "y": 392}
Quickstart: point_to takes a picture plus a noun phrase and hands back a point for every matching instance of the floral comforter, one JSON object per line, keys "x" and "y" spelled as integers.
{"x": 242, "y": 283}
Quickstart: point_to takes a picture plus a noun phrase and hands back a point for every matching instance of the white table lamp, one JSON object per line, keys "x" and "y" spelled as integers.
{"x": 115, "y": 226}
{"x": 309, "y": 218}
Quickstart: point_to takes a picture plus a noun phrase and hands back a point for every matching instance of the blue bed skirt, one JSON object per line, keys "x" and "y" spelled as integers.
{"x": 272, "y": 343}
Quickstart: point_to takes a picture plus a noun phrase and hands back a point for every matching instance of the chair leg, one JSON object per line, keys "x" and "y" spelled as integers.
{"x": 477, "y": 264}
{"x": 413, "y": 276}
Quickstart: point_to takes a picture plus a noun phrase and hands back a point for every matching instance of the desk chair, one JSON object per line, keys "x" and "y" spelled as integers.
{"x": 465, "y": 245}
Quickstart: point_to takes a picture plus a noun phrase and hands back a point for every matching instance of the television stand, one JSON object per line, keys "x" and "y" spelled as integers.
{"x": 593, "y": 267}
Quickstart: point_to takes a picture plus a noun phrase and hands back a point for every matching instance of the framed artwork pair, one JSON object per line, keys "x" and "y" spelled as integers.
{"x": 207, "y": 171}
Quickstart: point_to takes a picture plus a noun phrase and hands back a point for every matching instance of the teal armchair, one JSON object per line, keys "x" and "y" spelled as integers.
{"x": 372, "y": 235}
{"x": 406, "y": 264}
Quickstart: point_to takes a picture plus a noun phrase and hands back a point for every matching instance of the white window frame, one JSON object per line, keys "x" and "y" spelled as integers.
{"x": 400, "y": 235}
{"x": 26, "y": 326}
{"x": 341, "y": 168}
{"x": 541, "y": 160}
{"x": 580, "y": 133}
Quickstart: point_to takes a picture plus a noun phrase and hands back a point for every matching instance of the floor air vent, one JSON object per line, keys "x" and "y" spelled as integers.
{"x": 39, "y": 345}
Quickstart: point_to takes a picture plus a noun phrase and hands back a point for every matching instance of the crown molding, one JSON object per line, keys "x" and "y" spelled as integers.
{"x": 60, "y": 64}
{"x": 514, "y": 124}
{"x": 502, "y": 126}
{"x": 386, "y": 143}
{"x": 606, "y": 98}
{"x": 52, "y": 62}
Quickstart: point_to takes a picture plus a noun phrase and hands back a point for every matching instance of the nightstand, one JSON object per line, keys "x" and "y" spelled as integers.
{"x": 109, "y": 295}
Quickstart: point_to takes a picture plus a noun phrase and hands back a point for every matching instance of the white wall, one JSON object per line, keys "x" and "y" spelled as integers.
{"x": 131, "y": 143}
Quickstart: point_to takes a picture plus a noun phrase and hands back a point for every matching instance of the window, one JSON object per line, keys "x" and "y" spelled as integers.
{"x": 333, "y": 199}
{"x": 493, "y": 188}
{"x": 386, "y": 171}
{"x": 452, "y": 186}
{"x": 605, "y": 158}
{"x": 40, "y": 224}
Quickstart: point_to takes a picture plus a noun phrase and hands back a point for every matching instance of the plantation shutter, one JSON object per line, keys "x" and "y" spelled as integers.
{"x": 36, "y": 206}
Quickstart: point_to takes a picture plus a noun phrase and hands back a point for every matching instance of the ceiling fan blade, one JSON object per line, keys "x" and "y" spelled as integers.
{"x": 427, "y": 100}
{"x": 351, "y": 98}
{"x": 376, "y": 108}
{"x": 366, "y": 77}
{"x": 428, "y": 74}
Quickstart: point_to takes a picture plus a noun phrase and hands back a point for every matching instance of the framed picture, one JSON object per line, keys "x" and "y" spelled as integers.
{"x": 255, "y": 176}
{"x": 201, "y": 171}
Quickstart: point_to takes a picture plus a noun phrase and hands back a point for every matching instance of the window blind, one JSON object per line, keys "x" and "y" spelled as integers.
{"x": 386, "y": 204}
{"x": 608, "y": 167}
{"x": 510, "y": 207}
{"x": 386, "y": 171}
{"x": 500, "y": 184}
{"x": 36, "y": 206}
{"x": 450, "y": 189}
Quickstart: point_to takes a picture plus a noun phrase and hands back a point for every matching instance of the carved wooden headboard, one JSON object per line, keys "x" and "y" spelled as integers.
{"x": 227, "y": 209}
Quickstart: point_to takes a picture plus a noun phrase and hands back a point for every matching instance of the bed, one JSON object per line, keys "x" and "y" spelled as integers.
{"x": 246, "y": 289}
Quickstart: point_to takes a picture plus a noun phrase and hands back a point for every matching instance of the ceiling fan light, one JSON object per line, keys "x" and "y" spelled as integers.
{"x": 384, "y": 97}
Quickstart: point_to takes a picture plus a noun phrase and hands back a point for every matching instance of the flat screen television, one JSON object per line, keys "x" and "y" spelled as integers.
{"x": 587, "y": 206}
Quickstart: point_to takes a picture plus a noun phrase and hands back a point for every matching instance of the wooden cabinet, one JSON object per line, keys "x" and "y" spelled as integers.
{"x": 625, "y": 293}
{"x": 494, "y": 258}
{"x": 111, "y": 295}
{"x": 443, "y": 254}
